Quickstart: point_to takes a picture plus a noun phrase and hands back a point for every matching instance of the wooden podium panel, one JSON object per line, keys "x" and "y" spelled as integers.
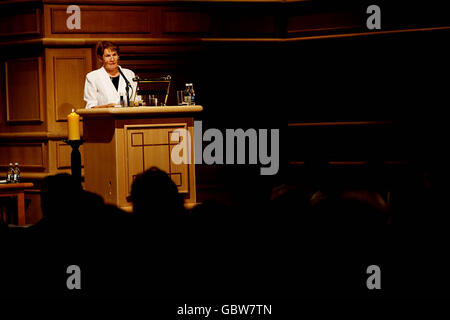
{"x": 151, "y": 145}
{"x": 120, "y": 143}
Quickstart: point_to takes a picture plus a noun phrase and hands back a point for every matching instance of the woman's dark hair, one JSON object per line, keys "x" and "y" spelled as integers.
{"x": 103, "y": 45}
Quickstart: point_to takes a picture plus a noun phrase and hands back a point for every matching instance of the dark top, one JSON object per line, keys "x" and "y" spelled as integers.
{"x": 115, "y": 81}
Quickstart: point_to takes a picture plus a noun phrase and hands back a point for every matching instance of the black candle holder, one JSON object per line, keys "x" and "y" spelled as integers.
{"x": 75, "y": 158}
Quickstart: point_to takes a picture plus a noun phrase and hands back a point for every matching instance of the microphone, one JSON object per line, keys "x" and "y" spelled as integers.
{"x": 128, "y": 85}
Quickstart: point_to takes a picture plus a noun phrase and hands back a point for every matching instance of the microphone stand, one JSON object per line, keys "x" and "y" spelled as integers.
{"x": 127, "y": 87}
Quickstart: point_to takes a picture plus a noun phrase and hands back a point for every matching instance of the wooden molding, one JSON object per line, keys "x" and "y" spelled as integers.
{"x": 361, "y": 34}
{"x": 352, "y": 163}
{"x": 32, "y": 136}
{"x": 338, "y": 123}
{"x": 323, "y": 22}
{"x": 37, "y": 175}
{"x": 134, "y": 2}
{"x": 179, "y": 40}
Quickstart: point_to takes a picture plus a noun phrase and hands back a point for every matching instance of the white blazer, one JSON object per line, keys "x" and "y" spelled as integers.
{"x": 99, "y": 89}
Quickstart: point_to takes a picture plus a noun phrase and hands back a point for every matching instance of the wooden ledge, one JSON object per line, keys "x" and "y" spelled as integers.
{"x": 77, "y": 40}
{"x": 137, "y": 111}
{"x": 338, "y": 123}
{"x": 352, "y": 163}
{"x": 32, "y": 136}
{"x": 20, "y": 185}
{"x": 40, "y": 175}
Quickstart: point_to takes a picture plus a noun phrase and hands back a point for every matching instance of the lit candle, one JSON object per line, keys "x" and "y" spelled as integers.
{"x": 73, "y": 124}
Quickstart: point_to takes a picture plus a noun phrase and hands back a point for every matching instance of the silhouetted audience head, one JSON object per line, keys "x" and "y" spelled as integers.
{"x": 288, "y": 200}
{"x": 60, "y": 194}
{"x": 155, "y": 196}
{"x": 408, "y": 200}
{"x": 3, "y": 228}
{"x": 353, "y": 210}
{"x": 211, "y": 216}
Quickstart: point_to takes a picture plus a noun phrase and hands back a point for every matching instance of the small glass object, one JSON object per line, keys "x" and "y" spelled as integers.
{"x": 180, "y": 97}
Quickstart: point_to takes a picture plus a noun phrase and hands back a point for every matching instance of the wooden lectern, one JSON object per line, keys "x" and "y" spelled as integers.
{"x": 120, "y": 143}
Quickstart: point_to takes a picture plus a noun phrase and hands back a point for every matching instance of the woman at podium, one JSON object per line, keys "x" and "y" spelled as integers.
{"x": 103, "y": 87}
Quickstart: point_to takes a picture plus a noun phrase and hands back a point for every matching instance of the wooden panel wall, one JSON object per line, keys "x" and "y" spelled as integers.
{"x": 66, "y": 70}
{"x": 323, "y": 22}
{"x": 26, "y": 21}
{"x": 63, "y": 153}
{"x": 249, "y": 24}
{"x": 24, "y": 96}
{"x": 241, "y": 19}
{"x": 22, "y": 93}
{"x": 29, "y": 155}
{"x": 178, "y": 21}
{"x": 156, "y": 21}
{"x": 96, "y": 20}
{"x": 69, "y": 84}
